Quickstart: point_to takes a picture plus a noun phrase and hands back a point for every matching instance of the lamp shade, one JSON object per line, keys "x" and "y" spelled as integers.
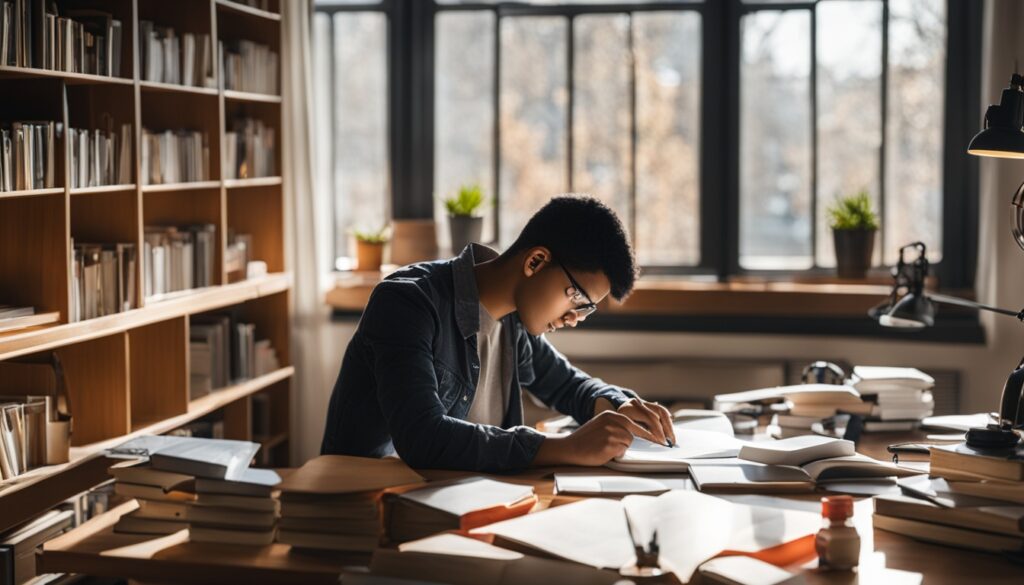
{"x": 910, "y": 312}
{"x": 1003, "y": 136}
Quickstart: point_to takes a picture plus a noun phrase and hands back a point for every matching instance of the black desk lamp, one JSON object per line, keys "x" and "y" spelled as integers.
{"x": 909, "y": 307}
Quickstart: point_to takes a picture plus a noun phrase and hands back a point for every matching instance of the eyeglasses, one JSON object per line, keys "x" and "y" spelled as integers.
{"x": 575, "y": 291}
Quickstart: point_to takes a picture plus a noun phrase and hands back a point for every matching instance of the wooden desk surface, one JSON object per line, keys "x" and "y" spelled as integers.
{"x": 95, "y": 549}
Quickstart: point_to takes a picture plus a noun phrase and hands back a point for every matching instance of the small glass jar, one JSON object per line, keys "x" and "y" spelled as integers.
{"x": 837, "y": 543}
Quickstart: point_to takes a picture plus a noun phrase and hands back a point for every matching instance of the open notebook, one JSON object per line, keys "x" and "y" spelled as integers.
{"x": 692, "y": 444}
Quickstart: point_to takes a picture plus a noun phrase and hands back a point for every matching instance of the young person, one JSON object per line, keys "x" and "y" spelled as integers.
{"x": 435, "y": 367}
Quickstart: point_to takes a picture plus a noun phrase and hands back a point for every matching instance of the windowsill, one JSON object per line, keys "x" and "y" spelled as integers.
{"x": 804, "y": 306}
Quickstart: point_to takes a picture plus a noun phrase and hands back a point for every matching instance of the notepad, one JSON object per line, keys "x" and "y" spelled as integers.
{"x": 616, "y": 485}
{"x": 740, "y": 476}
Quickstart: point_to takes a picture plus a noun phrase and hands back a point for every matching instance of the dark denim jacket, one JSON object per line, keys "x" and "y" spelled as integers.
{"x": 410, "y": 372}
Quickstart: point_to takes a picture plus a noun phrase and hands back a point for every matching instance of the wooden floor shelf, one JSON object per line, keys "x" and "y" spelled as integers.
{"x": 247, "y": 96}
{"x": 31, "y": 192}
{"x": 252, "y": 182}
{"x": 9, "y": 71}
{"x": 240, "y": 8}
{"x": 83, "y": 461}
{"x": 189, "y": 303}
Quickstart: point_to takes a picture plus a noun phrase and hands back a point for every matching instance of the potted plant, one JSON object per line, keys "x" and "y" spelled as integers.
{"x": 370, "y": 248}
{"x": 464, "y": 224}
{"x": 854, "y": 224}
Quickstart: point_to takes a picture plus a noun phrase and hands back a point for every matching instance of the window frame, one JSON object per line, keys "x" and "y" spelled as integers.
{"x": 411, "y": 29}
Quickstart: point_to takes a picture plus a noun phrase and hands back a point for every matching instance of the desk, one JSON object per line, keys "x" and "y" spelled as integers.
{"x": 94, "y": 549}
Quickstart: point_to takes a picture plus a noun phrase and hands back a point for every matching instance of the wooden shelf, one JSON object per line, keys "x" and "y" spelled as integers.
{"x": 88, "y": 463}
{"x": 271, "y": 441}
{"x": 189, "y": 303}
{"x": 176, "y": 88}
{"x": 31, "y": 192}
{"x": 102, "y": 189}
{"x": 249, "y": 10}
{"x": 246, "y": 96}
{"x": 196, "y": 409}
{"x": 252, "y": 182}
{"x": 71, "y": 78}
{"x": 192, "y": 186}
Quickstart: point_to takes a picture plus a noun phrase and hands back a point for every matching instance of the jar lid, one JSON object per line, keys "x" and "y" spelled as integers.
{"x": 837, "y": 507}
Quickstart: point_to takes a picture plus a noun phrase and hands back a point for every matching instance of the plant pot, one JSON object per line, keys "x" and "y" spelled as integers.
{"x": 413, "y": 240}
{"x": 854, "y": 249}
{"x": 464, "y": 229}
{"x": 369, "y": 256}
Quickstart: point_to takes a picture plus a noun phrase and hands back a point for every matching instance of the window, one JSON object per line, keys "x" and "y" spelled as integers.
{"x": 813, "y": 82}
{"x": 719, "y": 131}
{"x": 606, "y": 103}
{"x": 351, "y": 134}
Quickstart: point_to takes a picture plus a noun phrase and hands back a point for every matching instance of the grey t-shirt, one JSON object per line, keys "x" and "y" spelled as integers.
{"x": 493, "y": 387}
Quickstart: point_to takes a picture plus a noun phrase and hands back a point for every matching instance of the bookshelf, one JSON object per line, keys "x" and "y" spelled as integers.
{"x": 128, "y": 372}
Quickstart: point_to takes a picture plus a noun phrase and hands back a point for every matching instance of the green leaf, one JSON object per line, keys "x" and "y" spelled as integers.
{"x": 379, "y": 236}
{"x": 469, "y": 198}
{"x": 853, "y": 212}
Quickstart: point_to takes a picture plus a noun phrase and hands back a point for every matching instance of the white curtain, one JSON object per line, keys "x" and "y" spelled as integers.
{"x": 306, "y": 232}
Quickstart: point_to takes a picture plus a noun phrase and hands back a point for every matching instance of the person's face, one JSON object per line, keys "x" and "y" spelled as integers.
{"x": 547, "y": 299}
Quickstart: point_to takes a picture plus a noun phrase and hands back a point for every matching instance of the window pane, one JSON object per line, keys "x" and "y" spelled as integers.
{"x": 917, "y": 63}
{"x": 323, "y": 111}
{"x": 361, "y": 184}
{"x": 533, "y": 117}
{"x": 775, "y": 140}
{"x": 667, "y": 46}
{"x": 464, "y": 111}
{"x": 601, "y": 111}
{"x": 849, "y": 108}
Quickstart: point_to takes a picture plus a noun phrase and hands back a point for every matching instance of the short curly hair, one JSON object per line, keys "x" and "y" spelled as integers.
{"x": 584, "y": 234}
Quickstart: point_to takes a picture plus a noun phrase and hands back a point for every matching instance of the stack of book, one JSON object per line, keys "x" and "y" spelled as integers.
{"x": 241, "y": 511}
{"x": 968, "y": 512}
{"x": 249, "y": 66}
{"x": 248, "y": 149}
{"x": 174, "y": 156}
{"x": 901, "y": 397}
{"x": 163, "y": 497}
{"x": 27, "y": 155}
{"x": 34, "y": 422}
{"x": 16, "y": 33}
{"x": 100, "y": 157}
{"x": 178, "y": 258}
{"x": 103, "y": 280}
{"x": 81, "y": 41}
{"x": 333, "y": 501}
{"x": 801, "y": 409}
{"x": 166, "y": 57}
{"x": 164, "y": 483}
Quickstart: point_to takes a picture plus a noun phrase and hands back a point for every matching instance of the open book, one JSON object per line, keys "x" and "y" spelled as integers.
{"x": 791, "y": 465}
{"x": 691, "y": 528}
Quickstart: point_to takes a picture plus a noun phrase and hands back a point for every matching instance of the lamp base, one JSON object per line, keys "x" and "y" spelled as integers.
{"x": 992, "y": 437}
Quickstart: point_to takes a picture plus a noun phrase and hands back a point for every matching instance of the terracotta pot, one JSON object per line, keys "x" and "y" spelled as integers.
{"x": 854, "y": 249}
{"x": 369, "y": 256}
{"x": 413, "y": 240}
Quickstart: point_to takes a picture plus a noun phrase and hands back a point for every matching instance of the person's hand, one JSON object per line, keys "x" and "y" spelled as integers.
{"x": 653, "y": 416}
{"x": 604, "y": 437}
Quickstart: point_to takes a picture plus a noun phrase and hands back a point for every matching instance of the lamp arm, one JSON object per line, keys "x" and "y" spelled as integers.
{"x": 975, "y": 305}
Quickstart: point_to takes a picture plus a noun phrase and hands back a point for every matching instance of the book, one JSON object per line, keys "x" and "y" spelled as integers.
{"x": 992, "y": 489}
{"x": 739, "y": 476}
{"x": 1006, "y": 464}
{"x": 949, "y": 535}
{"x": 966, "y": 512}
{"x": 141, "y": 473}
{"x": 595, "y": 532}
{"x": 209, "y": 458}
{"x": 22, "y": 543}
{"x": 881, "y": 378}
{"x": 231, "y": 518}
{"x": 645, "y": 456}
{"x": 133, "y": 523}
{"x": 152, "y": 492}
{"x": 234, "y": 502}
{"x": 157, "y": 510}
{"x": 796, "y": 450}
{"x": 252, "y": 482}
{"x": 459, "y": 505}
